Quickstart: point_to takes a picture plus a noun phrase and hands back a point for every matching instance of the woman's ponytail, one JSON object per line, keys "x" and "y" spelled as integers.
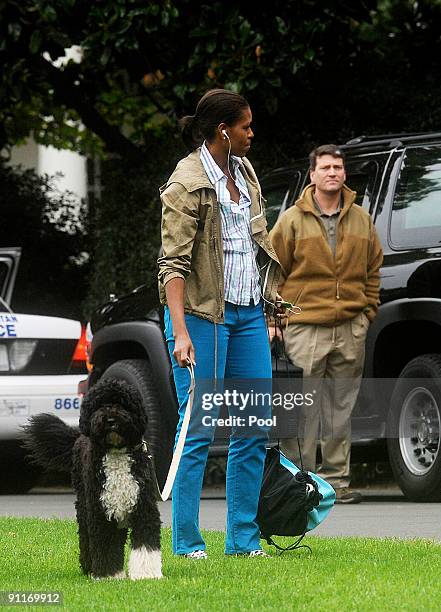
{"x": 215, "y": 107}
{"x": 191, "y": 134}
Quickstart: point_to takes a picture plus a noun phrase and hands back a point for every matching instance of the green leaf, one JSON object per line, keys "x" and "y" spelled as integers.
{"x": 295, "y": 66}
{"x": 35, "y": 41}
{"x": 105, "y": 55}
{"x": 251, "y": 83}
{"x": 233, "y": 86}
{"x": 48, "y": 13}
{"x": 210, "y": 46}
{"x": 281, "y": 26}
{"x": 14, "y": 30}
{"x": 180, "y": 90}
{"x": 275, "y": 81}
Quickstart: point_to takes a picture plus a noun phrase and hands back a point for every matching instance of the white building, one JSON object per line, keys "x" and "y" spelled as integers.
{"x": 71, "y": 166}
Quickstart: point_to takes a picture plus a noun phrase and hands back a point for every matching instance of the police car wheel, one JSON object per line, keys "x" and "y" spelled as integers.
{"x": 159, "y": 436}
{"x": 414, "y": 426}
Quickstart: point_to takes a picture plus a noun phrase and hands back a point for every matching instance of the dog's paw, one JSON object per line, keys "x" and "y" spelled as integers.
{"x": 118, "y": 576}
{"x": 144, "y": 563}
{"x": 147, "y": 577}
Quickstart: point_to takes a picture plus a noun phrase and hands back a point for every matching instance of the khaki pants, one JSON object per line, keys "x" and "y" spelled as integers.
{"x": 332, "y": 359}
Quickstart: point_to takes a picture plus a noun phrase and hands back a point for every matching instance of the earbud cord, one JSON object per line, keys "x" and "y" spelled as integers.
{"x": 228, "y": 157}
{"x": 294, "y": 310}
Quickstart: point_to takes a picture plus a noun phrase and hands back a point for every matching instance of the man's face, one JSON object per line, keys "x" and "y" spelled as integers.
{"x": 329, "y": 174}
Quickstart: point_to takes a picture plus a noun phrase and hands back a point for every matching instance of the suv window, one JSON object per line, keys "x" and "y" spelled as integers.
{"x": 416, "y": 212}
{"x": 361, "y": 176}
{"x": 276, "y": 202}
{"x": 283, "y": 191}
{"x": 280, "y": 192}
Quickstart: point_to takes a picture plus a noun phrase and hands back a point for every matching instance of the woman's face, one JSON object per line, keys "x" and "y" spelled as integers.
{"x": 241, "y": 134}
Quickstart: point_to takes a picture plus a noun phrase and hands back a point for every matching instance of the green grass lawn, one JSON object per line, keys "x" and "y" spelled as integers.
{"x": 340, "y": 574}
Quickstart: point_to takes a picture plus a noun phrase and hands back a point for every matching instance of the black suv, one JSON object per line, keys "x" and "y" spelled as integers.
{"x": 398, "y": 180}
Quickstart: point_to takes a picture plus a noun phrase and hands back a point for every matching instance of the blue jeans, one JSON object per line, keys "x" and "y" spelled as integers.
{"x": 243, "y": 351}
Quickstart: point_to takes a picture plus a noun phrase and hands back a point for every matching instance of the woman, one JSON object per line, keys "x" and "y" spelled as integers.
{"x": 217, "y": 270}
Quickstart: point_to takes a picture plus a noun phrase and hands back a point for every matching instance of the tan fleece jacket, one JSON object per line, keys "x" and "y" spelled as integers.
{"x": 328, "y": 290}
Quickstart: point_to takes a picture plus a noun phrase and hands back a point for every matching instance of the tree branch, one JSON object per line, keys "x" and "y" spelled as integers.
{"x": 75, "y": 97}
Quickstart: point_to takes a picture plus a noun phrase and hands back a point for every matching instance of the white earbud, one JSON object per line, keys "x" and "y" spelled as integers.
{"x": 224, "y": 132}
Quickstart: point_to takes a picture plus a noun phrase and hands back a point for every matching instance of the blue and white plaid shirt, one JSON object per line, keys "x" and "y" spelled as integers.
{"x": 241, "y": 274}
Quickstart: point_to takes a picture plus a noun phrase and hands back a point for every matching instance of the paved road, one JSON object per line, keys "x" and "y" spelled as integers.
{"x": 383, "y": 513}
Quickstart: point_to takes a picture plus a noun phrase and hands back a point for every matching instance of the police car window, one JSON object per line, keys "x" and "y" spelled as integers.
{"x": 3, "y": 274}
{"x": 416, "y": 211}
{"x": 275, "y": 201}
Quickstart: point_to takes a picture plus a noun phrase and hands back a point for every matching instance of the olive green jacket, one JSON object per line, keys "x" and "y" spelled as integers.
{"x": 192, "y": 239}
{"x": 328, "y": 289}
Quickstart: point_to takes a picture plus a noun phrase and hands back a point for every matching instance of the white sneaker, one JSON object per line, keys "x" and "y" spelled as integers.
{"x": 258, "y": 553}
{"x": 196, "y": 554}
{"x": 253, "y": 553}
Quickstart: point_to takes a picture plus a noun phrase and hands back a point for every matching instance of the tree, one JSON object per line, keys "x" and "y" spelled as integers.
{"x": 145, "y": 63}
{"x": 38, "y": 218}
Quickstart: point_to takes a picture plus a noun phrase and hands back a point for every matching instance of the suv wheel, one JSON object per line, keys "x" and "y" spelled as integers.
{"x": 414, "y": 429}
{"x": 159, "y": 437}
{"x": 17, "y": 474}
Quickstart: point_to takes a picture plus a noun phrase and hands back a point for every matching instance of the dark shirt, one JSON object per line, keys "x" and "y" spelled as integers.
{"x": 330, "y": 223}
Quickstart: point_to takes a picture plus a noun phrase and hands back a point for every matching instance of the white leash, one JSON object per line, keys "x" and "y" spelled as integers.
{"x": 165, "y": 493}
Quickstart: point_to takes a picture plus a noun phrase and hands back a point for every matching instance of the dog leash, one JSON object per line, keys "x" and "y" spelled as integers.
{"x": 165, "y": 493}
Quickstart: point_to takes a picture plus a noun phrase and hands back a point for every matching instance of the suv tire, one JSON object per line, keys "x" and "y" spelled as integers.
{"x": 414, "y": 425}
{"x": 159, "y": 437}
{"x": 18, "y": 475}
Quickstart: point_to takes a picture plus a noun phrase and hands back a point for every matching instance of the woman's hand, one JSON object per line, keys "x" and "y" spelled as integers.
{"x": 184, "y": 350}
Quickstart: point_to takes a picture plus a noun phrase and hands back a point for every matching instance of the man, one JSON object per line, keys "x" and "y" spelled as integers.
{"x": 330, "y": 255}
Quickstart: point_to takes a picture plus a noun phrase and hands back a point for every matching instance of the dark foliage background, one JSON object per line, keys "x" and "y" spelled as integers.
{"x": 124, "y": 231}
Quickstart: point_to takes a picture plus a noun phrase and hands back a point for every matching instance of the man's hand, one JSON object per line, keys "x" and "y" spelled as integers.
{"x": 280, "y": 307}
{"x": 184, "y": 350}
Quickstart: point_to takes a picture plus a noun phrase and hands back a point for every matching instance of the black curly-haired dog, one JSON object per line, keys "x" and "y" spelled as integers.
{"x": 112, "y": 478}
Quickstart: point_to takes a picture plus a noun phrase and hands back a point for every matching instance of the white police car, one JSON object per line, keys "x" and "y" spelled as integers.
{"x": 42, "y": 360}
